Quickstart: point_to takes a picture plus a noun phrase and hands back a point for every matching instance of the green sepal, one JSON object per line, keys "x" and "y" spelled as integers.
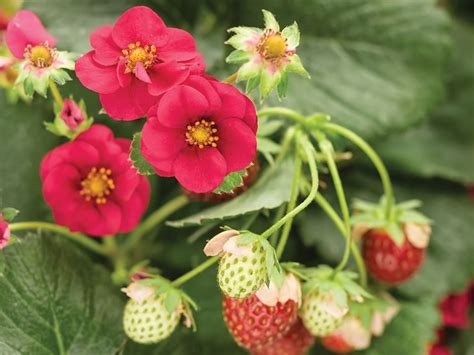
{"x": 282, "y": 87}
{"x": 268, "y": 82}
{"x": 296, "y": 66}
{"x": 60, "y": 76}
{"x": 138, "y": 161}
{"x": 231, "y": 181}
{"x": 237, "y": 57}
{"x": 270, "y": 21}
{"x": 9, "y": 214}
{"x": 292, "y": 35}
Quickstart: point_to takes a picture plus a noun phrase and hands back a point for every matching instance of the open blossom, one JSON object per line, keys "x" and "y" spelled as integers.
{"x": 91, "y": 185}
{"x": 29, "y": 41}
{"x": 199, "y": 132}
{"x": 267, "y": 56}
{"x": 134, "y": 59}
{"x": 455, "y": 308}
{"x": 4, "y": 233}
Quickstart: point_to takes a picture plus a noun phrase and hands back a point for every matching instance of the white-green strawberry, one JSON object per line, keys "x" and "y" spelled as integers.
{"x": 149, "y": 321}
{"x": 241, "y": 274}
{"x": 320, "y": 313}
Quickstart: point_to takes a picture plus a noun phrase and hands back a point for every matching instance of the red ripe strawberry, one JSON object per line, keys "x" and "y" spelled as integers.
{"x": 247, "y": 180}
{"x": 336, "y": 343}
{"x": 254, "y": 324}
{"x": 388, "y": 262}
{"x": 296, "y": 342}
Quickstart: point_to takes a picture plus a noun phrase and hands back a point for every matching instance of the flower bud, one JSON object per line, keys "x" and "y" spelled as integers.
{"x": 70, "y": 119}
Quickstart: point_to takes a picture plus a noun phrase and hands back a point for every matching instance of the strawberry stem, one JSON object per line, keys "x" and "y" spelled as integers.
{"x": 56, "y": 94}
{"x": 291, "y": 205}
{"x": 309, "y": 152}
{"x": 328, "y": 151}
{"x": 197, "y": 270}
{"x": 282, "y": 111}
{"x": 77, "y": 237}
{"x": 374, "y": 157}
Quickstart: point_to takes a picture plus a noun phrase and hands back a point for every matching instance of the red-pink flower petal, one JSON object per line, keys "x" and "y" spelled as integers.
{"x": 250, "y": 117}
{"x": 141, "y": 73}
{"x": 96, "y": 77}
{"x": 233, "y": 102}
{"x": 129, "y": 103}
{"x": 180, "y": 106}
{"x": 204, "y": 87}
{"x": 133, "y": 210}
{"x": 180, "y": 46}
{"x": 165, "y": 76}
{"x": 200, "y": 170}
{"x": 24, "y": 29}
{"x": 237, "y": 143}
{"x": 126, "y": 184}
{"x": 163, "y": 143}
{"x": 139, "y": 24}
{"x": 106, "y": 51}
{"x": 124, "y": 78}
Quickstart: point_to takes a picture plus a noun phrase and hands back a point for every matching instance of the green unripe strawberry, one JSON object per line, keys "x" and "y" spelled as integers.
{"x": 241, "y": 274}
{"x": 149, "y": 321}
{"x": 320, "y": 313}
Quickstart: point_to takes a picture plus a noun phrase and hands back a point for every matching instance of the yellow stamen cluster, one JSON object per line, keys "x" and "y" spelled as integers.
{"x": 40, "y": 56}
{"x": 272, "y": 46}
{"x": 136, "y": 53}
{"x": 202, "y": 134}
{"x": 97, "y": 185}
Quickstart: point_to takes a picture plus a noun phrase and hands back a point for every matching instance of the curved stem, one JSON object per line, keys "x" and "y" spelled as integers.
{"x": 309, "y": 152}
{"x": 281, "y": 111}
{"x": 197, "y": 270}
{"x": 291, "y": 205}
{"x": 278, "y": 215}
{"x": 332, "y": 214}
{"x": 373, "y": 156}
{"x": 154, "y": 219}
{"x": 56, "y": 94}
{"x": 328, "y": 151}
{"x": 77, "y": 237}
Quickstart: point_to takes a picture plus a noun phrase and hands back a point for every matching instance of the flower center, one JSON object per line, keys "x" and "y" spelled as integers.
{"x": 97, "y": 185}
{"x": 40, "y": 56}
{"x": 202, "y": 133}
{"x": 272, "y": 46}
{"x": 136, "y": 53}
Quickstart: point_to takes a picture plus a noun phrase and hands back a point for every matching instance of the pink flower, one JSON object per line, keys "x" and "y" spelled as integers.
{"x": 134, "y": 59}
{"x": 72, "y": 114}
{"x": 4, "y": 233}
{"x": 29, "y": 41}
{"x": 455, "y": 309}
{"x": 92, "y": 187}
{"x": 199, "y": 132}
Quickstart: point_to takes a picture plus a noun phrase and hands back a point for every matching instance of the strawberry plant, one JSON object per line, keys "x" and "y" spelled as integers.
{"x": 236, "y": 176}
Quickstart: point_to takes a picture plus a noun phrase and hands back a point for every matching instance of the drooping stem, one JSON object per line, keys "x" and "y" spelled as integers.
{"x": 281, "y": 111}
{"x": 77, "y": 237}
{"x": 332, "y": 214}
{"x": 56, "y": 94}
{"x": 194, "y": 272}
{"x": 309, "y": 152}
{"x": 291, "y": 205}
{"x": 373, "y": 156}
{"x": 328, "y": 151}
{"x": 154, "y": 219}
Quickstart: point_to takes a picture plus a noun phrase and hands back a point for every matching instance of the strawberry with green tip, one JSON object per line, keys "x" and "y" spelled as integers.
{"x": 244, "y": 265}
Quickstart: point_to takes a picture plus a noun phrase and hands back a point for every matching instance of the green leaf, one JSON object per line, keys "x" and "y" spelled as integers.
{"x": 270, "y": 191}
{"x": 138, "y": 161}
{"x": 231, "y": 181}
{"x": 444, "y": 145}
{"x": 266, "y": 145}
{"x": 376, "y": 66}
{"x": 54, "y": 300}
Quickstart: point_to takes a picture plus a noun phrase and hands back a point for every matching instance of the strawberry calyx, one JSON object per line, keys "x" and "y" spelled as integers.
{"x": 403, "y": 221}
